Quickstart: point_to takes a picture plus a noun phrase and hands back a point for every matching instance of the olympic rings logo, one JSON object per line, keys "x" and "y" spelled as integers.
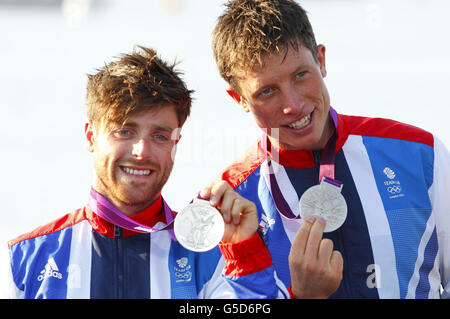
{"x": 394, "y": 189}
{"x": 186, "y": 276}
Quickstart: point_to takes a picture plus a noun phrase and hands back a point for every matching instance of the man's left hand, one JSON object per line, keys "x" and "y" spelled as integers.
{"x": 240, "y": 215}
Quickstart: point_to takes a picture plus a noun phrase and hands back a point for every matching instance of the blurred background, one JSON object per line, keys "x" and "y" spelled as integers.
{"x": 384, "y": 58}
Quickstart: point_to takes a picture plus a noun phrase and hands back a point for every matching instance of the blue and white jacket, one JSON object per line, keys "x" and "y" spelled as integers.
{"x": 396, "y": 181}
{"x": 83, "y": 256}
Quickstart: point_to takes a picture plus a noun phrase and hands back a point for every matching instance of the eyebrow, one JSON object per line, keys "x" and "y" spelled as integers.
{"x": 154, "y": 127}
{"x": 163, "y": 128}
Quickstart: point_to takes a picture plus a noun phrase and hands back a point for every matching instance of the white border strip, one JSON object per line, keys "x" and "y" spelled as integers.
{"x": 79, "y": 269}
{"x": 160, "y": 287}
{"x": 291, "y": 226}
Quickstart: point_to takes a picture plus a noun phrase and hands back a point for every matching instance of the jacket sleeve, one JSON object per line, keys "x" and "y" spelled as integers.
{"x": 8, "y": 289}
{"x": 246, "y": 272}
{"x": 440, "y": 200}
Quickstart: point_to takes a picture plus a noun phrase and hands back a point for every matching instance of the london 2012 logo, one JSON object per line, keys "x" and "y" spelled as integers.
{"x": 393, "y": 186}
{"x": 183, "y": 271}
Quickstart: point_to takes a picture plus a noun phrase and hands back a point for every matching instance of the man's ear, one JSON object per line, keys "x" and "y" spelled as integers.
{"x": 239, "y": 99}
{"x": 321, "y": 59}
{"x": 89, "y": 135}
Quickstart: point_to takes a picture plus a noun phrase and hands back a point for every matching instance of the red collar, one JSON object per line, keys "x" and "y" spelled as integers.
{"x": 291, "y": 158}
{"x": 237, "y": 172}
{"x": 149, "y": 216}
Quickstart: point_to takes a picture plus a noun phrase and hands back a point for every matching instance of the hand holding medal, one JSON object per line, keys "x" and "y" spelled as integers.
{"x": 240, "y": 215}
{"x": 226, "y": 217}
{"x": 315, "y": 268}
{"x": 326, "y": 201}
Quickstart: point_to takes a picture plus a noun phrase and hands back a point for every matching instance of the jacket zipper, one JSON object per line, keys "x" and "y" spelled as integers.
{"x": 119, "y": 262}
{"x": 346, "y": 289}
{"x": 316, "y": 155}
{"x": 149, "y": 257}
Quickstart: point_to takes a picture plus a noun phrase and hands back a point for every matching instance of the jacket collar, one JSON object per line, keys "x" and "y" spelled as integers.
{"x": 149, "y": 216}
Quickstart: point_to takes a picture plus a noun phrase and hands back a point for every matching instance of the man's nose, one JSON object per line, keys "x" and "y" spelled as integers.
{"x": 293, "y": 103}
{"x": 141, "y": 149}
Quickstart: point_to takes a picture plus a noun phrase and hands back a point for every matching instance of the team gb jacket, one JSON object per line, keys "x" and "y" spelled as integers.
{"x": 83, "y": 256}
{"x": 396, "y": 183}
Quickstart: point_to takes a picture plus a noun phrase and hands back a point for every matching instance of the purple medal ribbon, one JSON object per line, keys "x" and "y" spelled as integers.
{"x": 106, "y": 210}
{"x": 329, "y": 153}
{"x": 326, "y": 171}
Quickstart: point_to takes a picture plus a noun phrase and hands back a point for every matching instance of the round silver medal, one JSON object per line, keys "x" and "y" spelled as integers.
{"x": 199, "y": 226}
{"x": 326, "y": 201}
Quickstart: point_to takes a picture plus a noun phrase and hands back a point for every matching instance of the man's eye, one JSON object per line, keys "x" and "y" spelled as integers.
{"x": 266, "y": 91}
{"x": 122, "y": 133}
{"x": 161, "y": 137}
{"x": 300, "y": 74}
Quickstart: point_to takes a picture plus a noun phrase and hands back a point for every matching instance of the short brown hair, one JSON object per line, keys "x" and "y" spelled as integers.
{"x": 249, "y": 30}
{"x": 137, "y": 81}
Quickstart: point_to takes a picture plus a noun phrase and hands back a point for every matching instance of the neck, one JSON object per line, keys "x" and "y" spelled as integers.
{"x": 326, "y": 134}
{"x": 131, "y": 209}
{"x": 127, "y": 208}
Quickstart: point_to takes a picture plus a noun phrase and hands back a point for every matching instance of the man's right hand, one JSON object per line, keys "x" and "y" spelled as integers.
{"x": 315, "y": 268}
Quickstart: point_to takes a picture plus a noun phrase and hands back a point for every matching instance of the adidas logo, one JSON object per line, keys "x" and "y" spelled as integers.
{"x": 50, "y": 270}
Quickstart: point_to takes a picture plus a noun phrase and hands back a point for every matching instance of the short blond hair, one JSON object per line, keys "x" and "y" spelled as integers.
{"x": 249, "y": 30}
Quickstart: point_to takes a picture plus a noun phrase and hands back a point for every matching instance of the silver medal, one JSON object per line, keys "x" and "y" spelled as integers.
{"x": 324, "y": 200}
{"x": 199, "y": 226}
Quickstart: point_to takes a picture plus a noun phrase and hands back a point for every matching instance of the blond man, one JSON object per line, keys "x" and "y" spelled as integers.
{"x": 351, "y": 207}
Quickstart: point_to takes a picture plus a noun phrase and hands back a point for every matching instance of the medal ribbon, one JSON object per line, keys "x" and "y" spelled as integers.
{"x": 326, "y": 171}
{"x": 106, "y": 210}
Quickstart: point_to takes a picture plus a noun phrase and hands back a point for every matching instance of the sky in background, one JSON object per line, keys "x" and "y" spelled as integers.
{"x": 384, "y": 59}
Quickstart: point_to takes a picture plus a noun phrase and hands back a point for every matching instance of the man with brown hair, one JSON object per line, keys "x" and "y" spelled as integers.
{"x": 122, "y": 244}
{"x": 351, "y": 207}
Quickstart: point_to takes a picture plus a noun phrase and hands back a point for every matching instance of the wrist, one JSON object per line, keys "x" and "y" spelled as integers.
{"x": 245, "y": 257}
{"x": 295, "y": 294}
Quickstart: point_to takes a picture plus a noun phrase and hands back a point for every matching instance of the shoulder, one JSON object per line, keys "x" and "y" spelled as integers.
{"x": 57, "y": 225}
{"x": 243, "y": 167}
{"x": 381, "y": 127}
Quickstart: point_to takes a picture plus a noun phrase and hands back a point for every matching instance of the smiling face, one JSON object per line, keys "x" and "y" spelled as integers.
{"x": 133, "y": 161}
{"x": 288, "y": 93}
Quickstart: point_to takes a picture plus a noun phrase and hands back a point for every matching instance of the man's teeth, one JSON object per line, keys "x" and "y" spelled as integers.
{"x": 136, "y": 171}
{"x": 301, "y": 123}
